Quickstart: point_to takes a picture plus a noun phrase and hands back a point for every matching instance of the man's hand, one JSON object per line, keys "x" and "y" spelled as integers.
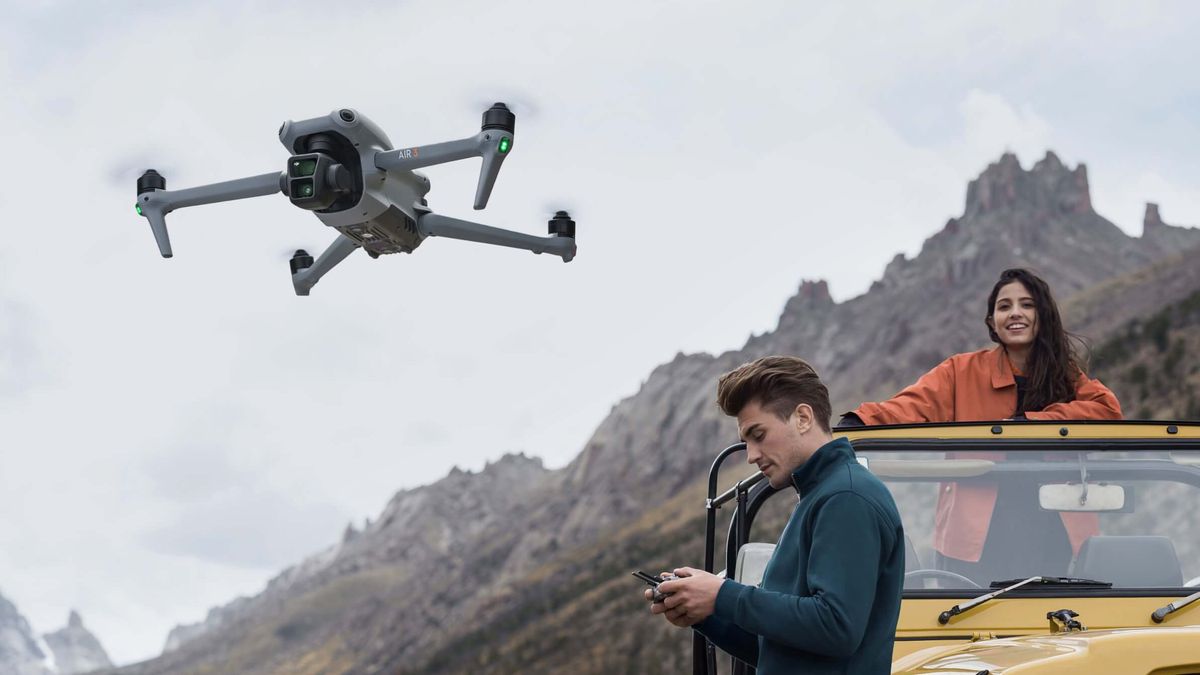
{"x": 691, "y": 598}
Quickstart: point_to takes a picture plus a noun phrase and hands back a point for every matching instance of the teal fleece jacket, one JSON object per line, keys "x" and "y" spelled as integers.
{"x": 830, "y": 595}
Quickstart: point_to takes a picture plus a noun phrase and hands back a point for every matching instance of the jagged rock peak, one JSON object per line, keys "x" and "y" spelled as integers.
{"x": 811, "y": 295}
{"x": 508, "y": 464}
{"x": 75, "y": 649}
{"x": 511, "y": 459}
{"x": 1005, "y": 185}
{"x": 513, "y": 467}
{"x": 1152, "y": 220}
{"x": 1164, "y": 238}
{"x": 812, "y": 298}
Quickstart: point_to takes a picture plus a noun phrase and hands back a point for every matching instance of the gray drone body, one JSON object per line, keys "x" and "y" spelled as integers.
{"x": 345, "y": 170}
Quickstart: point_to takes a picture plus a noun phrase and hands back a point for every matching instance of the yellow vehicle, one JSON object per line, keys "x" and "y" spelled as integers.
{"x": 1125, "y": 600}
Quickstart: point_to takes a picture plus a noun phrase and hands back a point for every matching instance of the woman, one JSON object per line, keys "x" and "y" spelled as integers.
{"x": 1034, "y": 374}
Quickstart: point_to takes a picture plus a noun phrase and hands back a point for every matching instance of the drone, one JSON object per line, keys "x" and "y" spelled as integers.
{"x": 346, "y": 171}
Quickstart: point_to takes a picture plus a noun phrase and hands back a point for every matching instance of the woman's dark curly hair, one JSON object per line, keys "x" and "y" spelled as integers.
{"x": 1053, "y": 365}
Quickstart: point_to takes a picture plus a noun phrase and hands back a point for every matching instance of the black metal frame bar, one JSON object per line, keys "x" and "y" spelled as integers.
{"x": 704, "y": 654}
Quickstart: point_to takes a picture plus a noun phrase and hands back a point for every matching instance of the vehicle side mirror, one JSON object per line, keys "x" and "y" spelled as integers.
{"x": 1081, "y": 497}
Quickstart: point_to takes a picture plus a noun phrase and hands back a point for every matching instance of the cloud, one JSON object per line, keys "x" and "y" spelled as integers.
{"x": 20, "y": 357}
{"x": 992, "y": 125}
{"x": 249, "y": 526}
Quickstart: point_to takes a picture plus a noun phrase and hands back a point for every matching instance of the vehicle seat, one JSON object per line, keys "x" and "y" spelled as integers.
{"x": 1140, "y": 561}
{"x": 752, "y": 562}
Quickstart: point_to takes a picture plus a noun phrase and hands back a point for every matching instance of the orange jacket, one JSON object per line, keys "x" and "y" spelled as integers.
{"x": 975, "y": 387}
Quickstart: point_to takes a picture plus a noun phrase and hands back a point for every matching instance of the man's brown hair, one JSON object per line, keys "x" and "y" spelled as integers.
{"x": 778, "y": 384}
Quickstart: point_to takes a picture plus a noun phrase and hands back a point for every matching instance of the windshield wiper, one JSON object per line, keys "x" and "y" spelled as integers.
{"x": 945, "y": 616}
{"x": 1162, "y": 612}
{"x": 1056, "y": 581}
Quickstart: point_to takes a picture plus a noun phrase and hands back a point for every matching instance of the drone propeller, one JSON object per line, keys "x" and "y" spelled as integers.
{"x": 131, "y": 166}
{"x": 299, "y": 259}
{"x": 289, "y": 253}
{"x": 522, "y": 103}
{"x": 562, "y": 224}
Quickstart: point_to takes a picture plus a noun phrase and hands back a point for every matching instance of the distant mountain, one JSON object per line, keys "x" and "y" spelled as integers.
{"x": 19, "y": 650}
{"x": 69, "y": 651}
{"x": 75, "y": 649}
{"x": 518, "y": 568}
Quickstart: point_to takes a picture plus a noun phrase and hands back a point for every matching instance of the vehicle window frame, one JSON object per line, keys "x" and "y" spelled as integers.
{"x": 1163, "y": 467}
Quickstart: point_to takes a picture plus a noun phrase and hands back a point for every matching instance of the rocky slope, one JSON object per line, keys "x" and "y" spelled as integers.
{"x": 519, "y": 568}
{"x": 75, "y": 649}
{"x": 69, "y": 651}
{"x": 19, "y": 650}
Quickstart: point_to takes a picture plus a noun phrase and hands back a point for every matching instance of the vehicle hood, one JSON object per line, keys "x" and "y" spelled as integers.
{"x": 1103, "y": 651}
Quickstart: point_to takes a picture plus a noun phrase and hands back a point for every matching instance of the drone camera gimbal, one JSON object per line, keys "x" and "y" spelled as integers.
{"x": 345, "y": 170}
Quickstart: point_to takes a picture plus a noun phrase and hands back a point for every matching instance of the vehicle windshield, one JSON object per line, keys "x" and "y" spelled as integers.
{"x": 973, "y": 518}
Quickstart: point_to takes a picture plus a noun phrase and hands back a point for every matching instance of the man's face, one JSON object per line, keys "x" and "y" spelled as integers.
{"x": 775, "y": 446}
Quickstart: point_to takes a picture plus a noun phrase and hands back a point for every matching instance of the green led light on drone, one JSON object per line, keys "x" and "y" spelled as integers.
{"x": 505, "y": 144}
{"x": 139, "y": 208}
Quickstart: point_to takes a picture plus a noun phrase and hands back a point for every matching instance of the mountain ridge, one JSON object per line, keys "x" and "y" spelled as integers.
{"x": 71, "y": 650}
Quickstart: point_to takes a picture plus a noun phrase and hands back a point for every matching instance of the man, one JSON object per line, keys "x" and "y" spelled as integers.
{"x": 830, "y": 594}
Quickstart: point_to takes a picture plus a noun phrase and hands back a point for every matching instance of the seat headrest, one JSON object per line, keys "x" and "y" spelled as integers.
{"x": 752, "y": 561}
{"x": 1139, "y": 561}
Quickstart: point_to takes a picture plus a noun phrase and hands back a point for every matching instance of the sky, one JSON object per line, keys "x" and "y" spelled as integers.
{"x": 173, "y": 433}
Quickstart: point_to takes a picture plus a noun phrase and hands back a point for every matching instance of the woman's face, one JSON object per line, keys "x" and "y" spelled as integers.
{"x": 1014, "y": 318}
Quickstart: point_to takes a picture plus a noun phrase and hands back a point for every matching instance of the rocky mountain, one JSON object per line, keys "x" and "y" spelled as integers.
{"x": 518, "y": 568}
{"x": 400, "y": 575}
{"x": 68, "y": 651}
{"x": 75, "y": 649}
{"x": 19, "y": 650}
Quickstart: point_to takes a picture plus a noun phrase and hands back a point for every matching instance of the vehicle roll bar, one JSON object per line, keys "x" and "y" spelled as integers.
{"x": 704, "y": 654}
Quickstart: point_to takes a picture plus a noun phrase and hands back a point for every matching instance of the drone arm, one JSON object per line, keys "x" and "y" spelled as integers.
{"x": 156, "y": 203}
{"x": 407, "y": 159}
{"x": 304, "y": 279}
{"x": 492, "y": 143}
{"x": 434, "y": 225}
{"x": 242, "y": 188}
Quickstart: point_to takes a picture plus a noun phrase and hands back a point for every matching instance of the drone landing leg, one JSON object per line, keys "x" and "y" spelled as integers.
{"x": 433, "y": 225}
{"x": 304, "y": 279}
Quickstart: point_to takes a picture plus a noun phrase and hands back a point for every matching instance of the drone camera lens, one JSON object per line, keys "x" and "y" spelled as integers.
{"x": 304, "y": 167}
{"x": 302, "y": 188}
